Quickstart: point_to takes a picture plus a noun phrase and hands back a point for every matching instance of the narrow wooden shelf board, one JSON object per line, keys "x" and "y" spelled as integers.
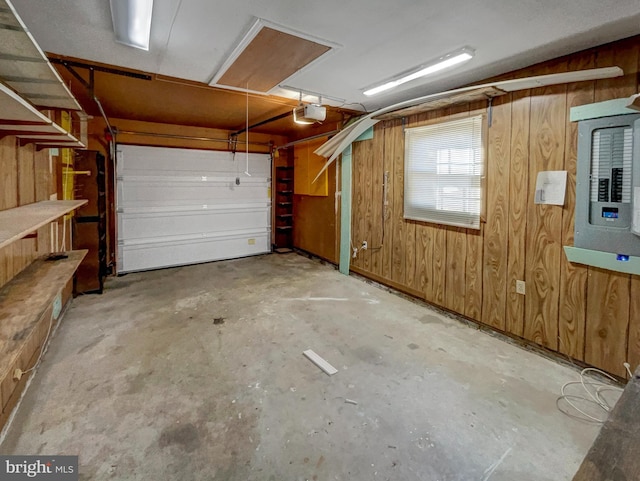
{"x": 15, "y": 108}
{"x": 68, "y": 145}
{"x": 9, "y": 128}
{"x": 603, "y": 260}
{"x": 438, "y": 103}
{"x": 25, "y": 298}
{"x": 20, "y": 221}
{"x": 18, "y": 117}
{"x": 64, "y": 139}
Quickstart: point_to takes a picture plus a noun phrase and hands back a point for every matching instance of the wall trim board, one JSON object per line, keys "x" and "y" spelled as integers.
{"x": 603, "y": 260}
{"x": 345, "y": 211}
{"x": 389, "y": 283}
{"x": 314, "y": 256}
{"x": 607, "y": 108}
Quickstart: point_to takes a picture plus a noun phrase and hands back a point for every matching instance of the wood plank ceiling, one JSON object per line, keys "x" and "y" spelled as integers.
{"x": 136, "y": 95}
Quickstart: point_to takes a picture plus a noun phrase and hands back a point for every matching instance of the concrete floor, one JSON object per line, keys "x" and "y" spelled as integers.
{"x": 142, "y": 384}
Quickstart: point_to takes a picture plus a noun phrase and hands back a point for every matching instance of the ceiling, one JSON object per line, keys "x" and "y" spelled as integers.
{"x": 372, "y": 40}
{"x": 168, "y": 100}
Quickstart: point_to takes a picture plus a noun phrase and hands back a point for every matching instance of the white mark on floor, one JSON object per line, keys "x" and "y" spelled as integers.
{"x": 489, "y": 471}
{"x": 316, "y": 299}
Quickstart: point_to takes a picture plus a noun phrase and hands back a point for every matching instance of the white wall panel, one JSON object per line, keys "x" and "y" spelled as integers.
{"x": 183, "y": 206}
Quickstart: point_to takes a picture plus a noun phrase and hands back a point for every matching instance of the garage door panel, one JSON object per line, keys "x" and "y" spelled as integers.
{"x": 145, "y": 225}
{"x": 157, "y": 159}
{"x": 182, "y": 206}
{"x": 174, "y": 253}
{"x": 195, "y": 193}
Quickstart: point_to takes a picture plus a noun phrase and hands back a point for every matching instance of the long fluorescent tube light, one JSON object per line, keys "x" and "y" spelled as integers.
{"x": 132, "y": 22}
{"x": 446, "y": 61}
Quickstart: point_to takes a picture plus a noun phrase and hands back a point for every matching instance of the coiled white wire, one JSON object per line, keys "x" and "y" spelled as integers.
{"x": 594, "y": 390}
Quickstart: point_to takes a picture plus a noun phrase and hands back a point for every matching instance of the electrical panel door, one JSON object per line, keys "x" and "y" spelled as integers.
{"x": 607, "y": 175}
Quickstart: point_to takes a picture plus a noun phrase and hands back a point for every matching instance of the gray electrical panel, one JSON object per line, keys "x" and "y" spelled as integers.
{"x": 607, "y": 180}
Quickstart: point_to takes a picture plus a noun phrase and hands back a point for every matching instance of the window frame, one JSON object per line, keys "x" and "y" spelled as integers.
{"x": 482, "y": 177}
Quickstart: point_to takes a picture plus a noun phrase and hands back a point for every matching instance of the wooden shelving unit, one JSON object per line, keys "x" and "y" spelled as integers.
{"x": 31, "y": 302}
{"x": 90, "y": 222}
{"x": 20, "y": 221}
{"x": 284, "y": 209}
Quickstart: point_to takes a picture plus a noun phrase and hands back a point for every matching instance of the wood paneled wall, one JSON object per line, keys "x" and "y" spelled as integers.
{"x": 589, "y": 314}
{"x": 25, "y": 177}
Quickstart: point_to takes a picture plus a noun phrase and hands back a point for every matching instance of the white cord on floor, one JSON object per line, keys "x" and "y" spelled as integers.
{"x": 594, "y": 389}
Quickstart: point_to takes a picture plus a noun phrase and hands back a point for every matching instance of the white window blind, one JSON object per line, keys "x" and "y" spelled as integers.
{"x": 443, "y": 172}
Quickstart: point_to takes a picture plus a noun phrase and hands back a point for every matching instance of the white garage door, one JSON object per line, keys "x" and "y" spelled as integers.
{"x": 182, "y": 206}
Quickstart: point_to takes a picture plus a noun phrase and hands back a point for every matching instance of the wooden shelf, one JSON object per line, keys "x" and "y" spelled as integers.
{"x": 18, "y": 117}
{"x": 9, "y": 128}
{"x": 46, "y": 140}
{"x": 26, "y": 296}
{"x": 25, "y": 67}
{"x": 16, "y": 110}
{"x": 20, "y": 221}
{"x": 27, "y": 306}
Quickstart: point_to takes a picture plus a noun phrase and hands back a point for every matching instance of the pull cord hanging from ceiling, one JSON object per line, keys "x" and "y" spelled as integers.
{"x": 247, "y": 139}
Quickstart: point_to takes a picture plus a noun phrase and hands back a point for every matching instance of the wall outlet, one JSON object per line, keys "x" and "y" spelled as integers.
{"x": 364, "y": 245}
{"x": 520, "y": 287}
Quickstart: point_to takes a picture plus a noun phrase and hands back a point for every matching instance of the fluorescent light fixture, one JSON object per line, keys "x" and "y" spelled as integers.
{"x": 444, "y": 62}
{"x": 132, "y": 22}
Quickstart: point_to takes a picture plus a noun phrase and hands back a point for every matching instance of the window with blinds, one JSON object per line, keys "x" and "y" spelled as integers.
{"x": 443, "y": 172}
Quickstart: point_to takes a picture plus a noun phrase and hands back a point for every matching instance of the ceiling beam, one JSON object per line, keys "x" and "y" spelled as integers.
{"x": 99, "y": 68}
